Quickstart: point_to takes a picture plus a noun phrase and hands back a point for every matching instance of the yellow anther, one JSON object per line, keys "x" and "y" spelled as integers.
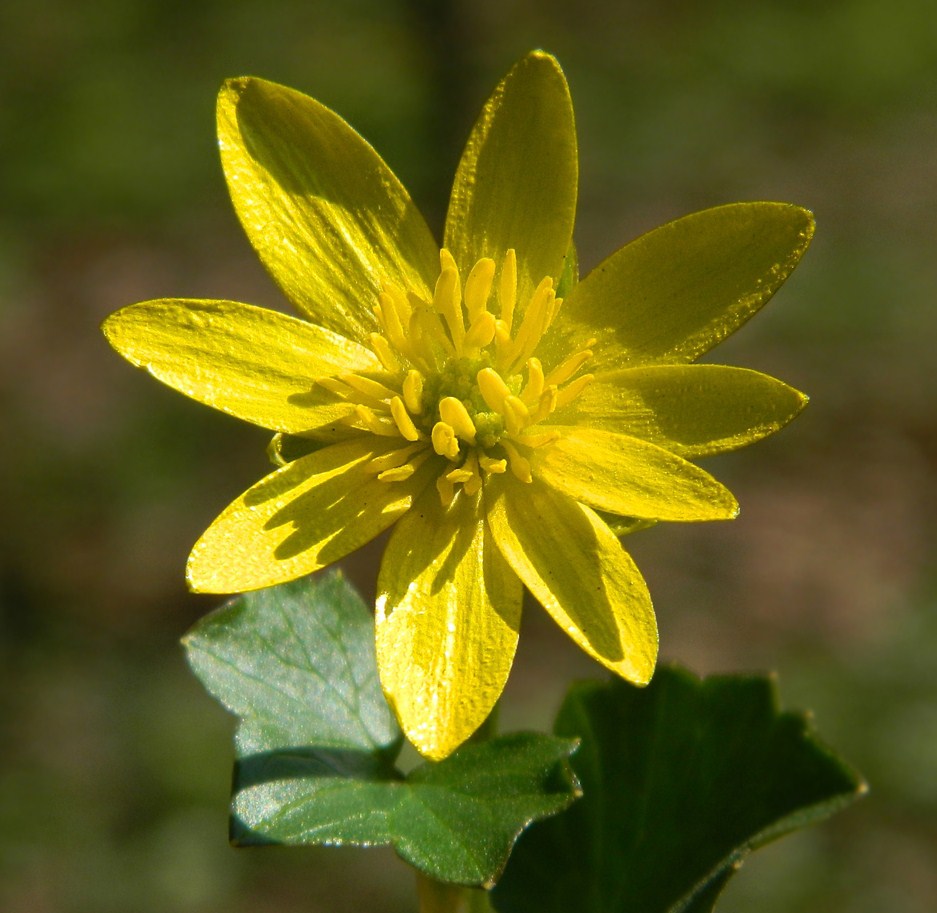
{"x": 447, "y": 261}
{"x": 573, "y": 389}
{"x": 568, "y": 367}
{"x": 334, "y": 385}
{"x": 478, "y": 288}
{"x": 453, "y": 412}
{"x": 507, "y": 287}
{"x": 474, "y": 482}
{"x": 546, "y": 405}
{"x": 534, "y": 386}
{"x": 516, "y": 416}
{"x": 394, "y": 315}
{"x": 492, "y": 388}
{"x": 481, "y": 332}
{"x": 397, "y": 474}
{"x": 429, "y": 338}
{"x": 457, "y": 476}
{"x": 448, "y": 302}
{"x": 402, "y": 420}
{"x": 445, "y": 442}
{"x": 413, "y": 392}
{"x": 446, "y": 490}
{"x": 367, "y": 387}
{"x": 489, "y": 464}
{"x": 534, "y": 325}
{"x": 393, "y": 459}
{"x": 385, "y": 353}
{"x": 519, "y": 464}
{"x": 373, "y": 424}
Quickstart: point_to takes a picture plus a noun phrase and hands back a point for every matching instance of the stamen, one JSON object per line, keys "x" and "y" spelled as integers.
{"x": 402, "y": 419}
{"x": 534, "y": 386}
{"x": 382, "y": 349}
{"x": 448, "y": 299}
{"x": 413, "y": 392}
{"x": 515, "y": 413}
{"x": 429, "y": 338}
{"x": 478, "y": 288}
{"x": 547, "y": 404}
{"x": 473, "y": 483}
{"x": 445, "y": 442}
{"x": 507, "y": 287}
{"x": 568, "y": 367}
{"x": 372, "y": 388}
{"x": 573, "y": 389}
{"x": 334, "y": 385}
{"x": 490, "y": 464}
{"x": 492, "y": 388}
{"x": 520, "y": 465}
{"x": 446, "y": 490}
{"x": 481, "y": 332}
{"x": 533, "y": 326}
{"x": 394, "y": 315}
{"x": 393, "y": 459}
{"x": 453, "y": 412}
{"x": 373, "y": 424}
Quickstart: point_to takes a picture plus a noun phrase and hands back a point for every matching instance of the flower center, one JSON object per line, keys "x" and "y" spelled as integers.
{"x": 461, "y": 378}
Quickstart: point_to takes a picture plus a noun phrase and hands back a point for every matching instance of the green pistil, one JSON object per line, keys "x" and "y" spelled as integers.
{"x": 458, "y": 379}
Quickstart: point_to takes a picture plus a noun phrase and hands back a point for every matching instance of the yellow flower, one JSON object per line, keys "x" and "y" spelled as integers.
{"x": 510, "y": 420}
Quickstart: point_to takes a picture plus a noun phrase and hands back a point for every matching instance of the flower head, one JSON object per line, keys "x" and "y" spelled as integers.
{"x": 507, "y": 419}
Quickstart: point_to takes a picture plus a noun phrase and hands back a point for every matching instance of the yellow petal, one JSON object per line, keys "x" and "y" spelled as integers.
{"x": 517, "y": 181}
{"x": 250, "y": 362}
{"x": 692, "y": 410}
{"x": 630, "y": 477}
{"x": 300, "y": 519}
{"x": 679, "y": 290}
{"x": 328, "y": 218}
{"x": 448, "y": 614}
{"x": 573, "y": 564}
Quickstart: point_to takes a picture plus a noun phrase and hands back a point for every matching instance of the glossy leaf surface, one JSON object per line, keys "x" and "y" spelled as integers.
{"x": 316, "y": 743}
{"x": 681, "y": 781}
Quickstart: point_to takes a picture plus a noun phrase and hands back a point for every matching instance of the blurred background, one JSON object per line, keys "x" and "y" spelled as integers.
{"x": 115, "y": 765}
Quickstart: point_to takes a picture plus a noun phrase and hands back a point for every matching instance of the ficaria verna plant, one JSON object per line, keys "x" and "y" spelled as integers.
{"x": 509, "y": 421}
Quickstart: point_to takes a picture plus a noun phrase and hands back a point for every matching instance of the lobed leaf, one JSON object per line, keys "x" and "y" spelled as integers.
{"x": 681, "y": 780}
{"x": 316, "y": 742}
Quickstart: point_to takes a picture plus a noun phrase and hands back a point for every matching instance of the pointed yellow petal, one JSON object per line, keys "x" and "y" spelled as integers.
{"x": 300, "y": 519}
{"x": 573, "y": 564}
{"x": 692, "y": 410}
{"x": 328, "y": 218}
{"x": 679, "y": 290}
{"x": 448, "y": 615}
{"x": 250, "y": 362}
{"x": 630, "y": 477}
{"x": 516, "y": 183}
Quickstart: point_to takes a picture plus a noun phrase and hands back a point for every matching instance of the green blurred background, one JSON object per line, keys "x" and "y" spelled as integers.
{"x": 115, "y": 765}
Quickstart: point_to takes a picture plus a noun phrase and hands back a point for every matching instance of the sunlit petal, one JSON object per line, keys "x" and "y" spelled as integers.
{"x": 573, "y": 564}
{"x": 630, "y": 477}
{"x": 692, "y": 410}
{"x": 300, "y": 519}
{"x": 679, "y": 290}
{"x": 516, "y": 184}
{"x": 250, "y": 362}
{"x": 328, "y": 218}
{"x": 448, "y": 614}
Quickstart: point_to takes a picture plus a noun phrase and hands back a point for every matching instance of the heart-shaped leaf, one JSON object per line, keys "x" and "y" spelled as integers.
{"x": 316, "y": 743}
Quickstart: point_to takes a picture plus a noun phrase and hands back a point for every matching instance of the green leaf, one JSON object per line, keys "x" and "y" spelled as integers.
{"x": 316, "y": 743}
{"x": 681, "y": 781}
{"x": 296, "y": 664}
